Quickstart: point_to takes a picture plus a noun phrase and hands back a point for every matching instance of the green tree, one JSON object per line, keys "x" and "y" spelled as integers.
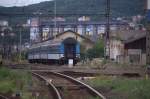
{"x": 97, "y": 51}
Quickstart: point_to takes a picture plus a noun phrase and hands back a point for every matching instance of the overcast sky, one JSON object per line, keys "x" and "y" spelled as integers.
{"x": 9, "y": 3}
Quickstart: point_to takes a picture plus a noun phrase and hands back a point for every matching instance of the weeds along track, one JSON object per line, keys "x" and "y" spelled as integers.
{"x": 69, "y": 87}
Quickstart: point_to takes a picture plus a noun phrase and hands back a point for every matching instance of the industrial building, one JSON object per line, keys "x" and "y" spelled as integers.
{"x": 42, "y": 30}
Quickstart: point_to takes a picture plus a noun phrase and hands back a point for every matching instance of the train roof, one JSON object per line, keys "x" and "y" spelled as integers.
{"x": 46, "y": 43}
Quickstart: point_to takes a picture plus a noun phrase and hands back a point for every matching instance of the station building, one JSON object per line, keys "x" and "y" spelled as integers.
{"x": 84, "y": 41}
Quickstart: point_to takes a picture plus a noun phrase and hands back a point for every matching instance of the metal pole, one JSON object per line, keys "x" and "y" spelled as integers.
{"x": 3, "y": 45}
{"x": 55, "y": 12}
{"x": 20, "y": 40}
{"x": 107, "y": 34}
{"x": 148, "y": 33}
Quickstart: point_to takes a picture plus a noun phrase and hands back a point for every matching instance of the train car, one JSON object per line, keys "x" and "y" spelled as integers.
{"x": 55, "y": 52}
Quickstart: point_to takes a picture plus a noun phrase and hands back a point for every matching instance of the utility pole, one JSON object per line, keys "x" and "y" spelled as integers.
{"x": 148, "y": 33}
{"x": 55, "y": 12}
{"x": 147, "y": 4}
{"x": 107, "y": 32}
{"x": 20, "y": 43}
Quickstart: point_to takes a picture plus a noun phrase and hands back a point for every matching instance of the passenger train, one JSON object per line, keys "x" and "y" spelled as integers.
{"x": 52, "y": 51}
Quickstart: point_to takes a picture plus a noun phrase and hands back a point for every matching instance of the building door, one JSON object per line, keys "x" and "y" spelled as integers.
{"x": 70, "y": 51}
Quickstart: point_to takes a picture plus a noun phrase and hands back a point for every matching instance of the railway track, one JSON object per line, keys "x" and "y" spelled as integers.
{"x": 67, "y": 87}
{"x": 3, "y": 97}
{"x": 131, "y": 72}
{"x": 53, "y": 89}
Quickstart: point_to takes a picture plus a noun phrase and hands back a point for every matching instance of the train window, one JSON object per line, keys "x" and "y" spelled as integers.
{"x": 54, "y": 49}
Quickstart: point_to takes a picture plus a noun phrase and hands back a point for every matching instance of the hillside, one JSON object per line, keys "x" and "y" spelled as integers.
{"x": 118, "y": 7}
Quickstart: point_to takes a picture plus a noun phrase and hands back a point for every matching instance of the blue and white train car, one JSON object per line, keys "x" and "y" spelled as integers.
{"x": 55, "y": 52}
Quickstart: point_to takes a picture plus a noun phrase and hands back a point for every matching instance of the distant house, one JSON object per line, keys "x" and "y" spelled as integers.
{"x": 3, "y": 23}
{"x": 116, "y": 48}
{"x": 3, "y": 26}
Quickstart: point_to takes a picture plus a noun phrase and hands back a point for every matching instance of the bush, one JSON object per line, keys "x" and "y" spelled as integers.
{"x": 16, "y": 56}
{"x": 97, "y": 51}
{"x": 130, "y": 88}
{"x": 13, "y": 80}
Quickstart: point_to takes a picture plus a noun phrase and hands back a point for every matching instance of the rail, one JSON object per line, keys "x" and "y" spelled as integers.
{"x": 78, "y": 81}
{"x": 95, "y": 92}
{"x": 3, "y": 97}
{"x": 58, "y": 96}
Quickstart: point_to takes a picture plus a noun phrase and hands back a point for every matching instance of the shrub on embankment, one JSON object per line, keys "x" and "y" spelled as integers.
{"x": 14, "y": 81}
{"x": 122, "y": 88}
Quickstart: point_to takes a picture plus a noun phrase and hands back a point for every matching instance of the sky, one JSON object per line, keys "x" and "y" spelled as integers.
{"x": 148, "y": 4}
{"x": 9, "y": 3}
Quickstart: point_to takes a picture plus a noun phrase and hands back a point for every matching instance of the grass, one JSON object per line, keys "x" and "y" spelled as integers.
{"x": 12, "y": 81}
{"x": 130, "y": 88}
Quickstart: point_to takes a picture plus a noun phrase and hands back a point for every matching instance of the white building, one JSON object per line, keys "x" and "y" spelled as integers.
{"x": 34, "y": 29}
{"x": 3, "y": 23}
{"x": 116, "y": 48}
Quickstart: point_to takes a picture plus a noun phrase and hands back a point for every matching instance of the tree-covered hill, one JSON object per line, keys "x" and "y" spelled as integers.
{"x": 118, "y": 7}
